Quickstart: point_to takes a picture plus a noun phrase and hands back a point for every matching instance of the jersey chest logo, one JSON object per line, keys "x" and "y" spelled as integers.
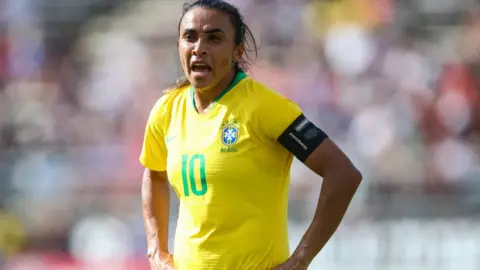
{"x": 229, "y": 135}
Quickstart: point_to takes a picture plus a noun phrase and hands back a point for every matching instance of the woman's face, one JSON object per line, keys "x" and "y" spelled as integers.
{"x": 207, "y": 47}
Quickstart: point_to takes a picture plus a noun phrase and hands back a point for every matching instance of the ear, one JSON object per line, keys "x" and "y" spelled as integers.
{"x": 238, "y": 52}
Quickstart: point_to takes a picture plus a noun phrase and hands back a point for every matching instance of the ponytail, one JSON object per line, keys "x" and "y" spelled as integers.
{"x": 237, "y": 67}
{"x": 180, "y": 83}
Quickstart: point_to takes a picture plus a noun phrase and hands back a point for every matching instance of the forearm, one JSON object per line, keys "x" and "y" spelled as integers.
{"x": 156, "y": 211}
{"x": 334, "y": 200}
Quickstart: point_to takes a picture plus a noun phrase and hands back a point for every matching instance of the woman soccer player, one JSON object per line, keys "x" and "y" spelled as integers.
{"x": 225, "y": 143}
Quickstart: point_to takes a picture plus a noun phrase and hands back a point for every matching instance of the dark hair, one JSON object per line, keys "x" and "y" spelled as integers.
{"x": 243, "y": 34}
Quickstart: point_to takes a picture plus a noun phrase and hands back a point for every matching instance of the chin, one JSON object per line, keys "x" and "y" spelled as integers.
{"x": 201, "y": 84}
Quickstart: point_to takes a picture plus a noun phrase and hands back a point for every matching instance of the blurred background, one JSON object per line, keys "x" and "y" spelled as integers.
{"x": 394, "y": 83}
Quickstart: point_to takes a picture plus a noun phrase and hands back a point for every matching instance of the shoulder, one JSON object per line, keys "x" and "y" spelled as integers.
{"x": 259, "y": 90}
{"x": 270, "y": 111}
{"x": 166, "y": 102}
{"x": 169, "y": 98}
{"x": 263, "y": 96}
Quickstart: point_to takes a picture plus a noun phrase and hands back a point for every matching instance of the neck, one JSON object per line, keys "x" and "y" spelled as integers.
{"x": 206, "y": 97}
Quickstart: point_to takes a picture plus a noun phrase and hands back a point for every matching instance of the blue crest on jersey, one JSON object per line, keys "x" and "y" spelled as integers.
{"x": 229, "y": 135}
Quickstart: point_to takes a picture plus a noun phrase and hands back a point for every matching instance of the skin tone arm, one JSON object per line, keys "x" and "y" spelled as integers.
{"x": 340, "y": 182}
{"x": 156, "y": 212}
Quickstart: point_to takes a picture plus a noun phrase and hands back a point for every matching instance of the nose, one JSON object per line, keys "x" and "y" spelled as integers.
{"x": 200, "y": 48}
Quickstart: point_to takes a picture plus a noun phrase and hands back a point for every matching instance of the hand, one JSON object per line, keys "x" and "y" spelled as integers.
{"x": 292, "y": 264}
{"x": 161, "y": 261}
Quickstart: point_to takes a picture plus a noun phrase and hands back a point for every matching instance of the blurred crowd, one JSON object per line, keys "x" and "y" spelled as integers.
{"x": 394, "y": 83}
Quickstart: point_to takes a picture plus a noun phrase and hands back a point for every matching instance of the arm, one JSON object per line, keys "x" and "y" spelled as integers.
{"x": 155, "y": 187}
{"x": 156, "y": 210}
{"x": 340, "y": 182}
{"x": 283, "y": 121}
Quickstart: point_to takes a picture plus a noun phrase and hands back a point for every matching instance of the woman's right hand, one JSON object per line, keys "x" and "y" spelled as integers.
{"x": 161, "y": 261}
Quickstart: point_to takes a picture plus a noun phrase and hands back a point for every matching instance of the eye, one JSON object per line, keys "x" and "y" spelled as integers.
{"x": 215, "y": 38}
{"x": 189, "y": 37}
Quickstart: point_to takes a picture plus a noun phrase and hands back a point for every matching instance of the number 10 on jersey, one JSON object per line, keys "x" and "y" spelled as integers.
{"x": 191, "y": 165}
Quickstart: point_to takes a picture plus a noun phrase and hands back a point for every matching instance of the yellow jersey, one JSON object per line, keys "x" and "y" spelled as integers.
{"x": 229, "y": 172}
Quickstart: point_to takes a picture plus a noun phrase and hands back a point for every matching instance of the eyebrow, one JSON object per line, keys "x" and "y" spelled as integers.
{"x": 209, "y": 31}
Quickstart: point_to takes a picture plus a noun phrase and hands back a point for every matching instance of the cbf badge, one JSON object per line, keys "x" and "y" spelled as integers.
{"x": 229, "y": 135}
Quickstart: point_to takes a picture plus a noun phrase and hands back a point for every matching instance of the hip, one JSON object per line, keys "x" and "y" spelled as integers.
{"x": 230, "y": 260}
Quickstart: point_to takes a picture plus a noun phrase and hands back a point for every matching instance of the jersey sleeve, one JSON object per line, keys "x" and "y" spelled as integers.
{"x": 154, "y": 150}
{"x": 276, "y": 114}
{"x": 283, "y": 121}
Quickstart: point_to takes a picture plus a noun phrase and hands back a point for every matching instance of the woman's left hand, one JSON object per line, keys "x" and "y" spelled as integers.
{"x": 292, "y": 264}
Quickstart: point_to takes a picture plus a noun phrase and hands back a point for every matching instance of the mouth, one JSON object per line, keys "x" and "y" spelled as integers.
{"x": 200, "y": 69}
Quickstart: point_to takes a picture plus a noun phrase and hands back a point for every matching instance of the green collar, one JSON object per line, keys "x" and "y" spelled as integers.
{"x": 238, "y": 78}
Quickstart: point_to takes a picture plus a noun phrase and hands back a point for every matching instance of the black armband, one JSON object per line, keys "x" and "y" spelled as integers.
{"x": 301, "y": 138}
